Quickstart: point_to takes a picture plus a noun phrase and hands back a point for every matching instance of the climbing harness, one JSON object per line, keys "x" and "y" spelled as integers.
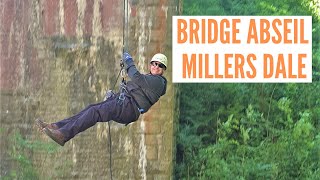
{"x": 123, "y": 74}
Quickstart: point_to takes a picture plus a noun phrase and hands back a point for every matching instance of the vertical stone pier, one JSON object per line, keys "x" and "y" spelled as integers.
{"x": 57, "y": 57}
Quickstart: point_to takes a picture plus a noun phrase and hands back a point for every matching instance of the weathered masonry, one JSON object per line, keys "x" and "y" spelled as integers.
{"x": 58, "y": 56}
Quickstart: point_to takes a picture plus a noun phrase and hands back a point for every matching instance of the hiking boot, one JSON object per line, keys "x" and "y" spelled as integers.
{"x": 55, "y": 135}
{"x": 43, "y": 125}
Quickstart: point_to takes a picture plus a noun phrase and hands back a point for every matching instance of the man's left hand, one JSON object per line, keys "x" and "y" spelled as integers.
{"x": 127, "y": 58}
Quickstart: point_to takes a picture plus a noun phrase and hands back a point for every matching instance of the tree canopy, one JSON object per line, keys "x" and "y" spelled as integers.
{"x": 251, "y": 131}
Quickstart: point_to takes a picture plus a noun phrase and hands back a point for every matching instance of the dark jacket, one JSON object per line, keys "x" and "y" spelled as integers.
{"x": 146, "y": 89}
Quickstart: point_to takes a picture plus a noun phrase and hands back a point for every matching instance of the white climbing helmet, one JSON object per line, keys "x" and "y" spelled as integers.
{"x": 160, "y": 58}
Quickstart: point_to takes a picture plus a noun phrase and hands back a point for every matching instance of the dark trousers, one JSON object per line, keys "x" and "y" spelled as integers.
{"x": 105, "y": 111}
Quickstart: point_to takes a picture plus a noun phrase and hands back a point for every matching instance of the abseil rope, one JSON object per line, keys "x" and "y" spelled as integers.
{"x": 121, "y": 72}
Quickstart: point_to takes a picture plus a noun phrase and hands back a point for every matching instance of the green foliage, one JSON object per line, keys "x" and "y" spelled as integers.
{"x": 251, "y": 131}
{"x": 20, "y": 151}
{"x": 293, "y": 154}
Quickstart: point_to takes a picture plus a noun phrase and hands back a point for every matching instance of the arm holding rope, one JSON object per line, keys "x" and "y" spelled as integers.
{"x": 129, "y": 65}
{"x": 131, "y": 69}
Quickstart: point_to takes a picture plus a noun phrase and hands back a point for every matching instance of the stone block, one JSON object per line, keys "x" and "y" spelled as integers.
{"x": 158, "y": 35}
{"x": 88, "y": 17}
{"x": 10, "y": 73}
{"x": 152, "y": 127}
{"x": 70, "y": 17}
{"x": 159, "y": 167}
{"x": 8, "y": 15}
{"x": 111, "y": 15}
{"x": 152, "y": 153}
{"x": 150, "y": 177}
{"x": 151, "y": 3}
{"x": 151, "y": 139}
{"x": 50, "y": 17}
{"x": 161, "y": 177}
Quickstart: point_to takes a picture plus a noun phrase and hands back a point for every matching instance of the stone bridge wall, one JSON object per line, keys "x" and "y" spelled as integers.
{"x": 58, "y": 56}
